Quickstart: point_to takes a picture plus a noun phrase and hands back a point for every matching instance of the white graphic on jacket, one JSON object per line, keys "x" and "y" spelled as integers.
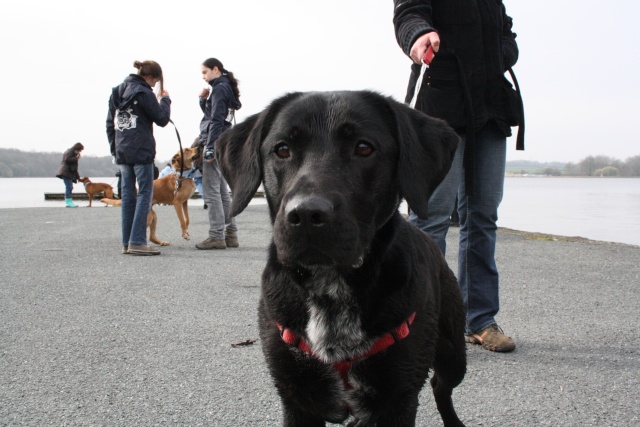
{"x": 125, "y": 119}
{"x": 230, "y": 115}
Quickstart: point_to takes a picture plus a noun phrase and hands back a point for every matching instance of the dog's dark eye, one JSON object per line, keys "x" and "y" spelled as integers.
{"x": 282, "y": 151}
{"x": 364, "y": 149}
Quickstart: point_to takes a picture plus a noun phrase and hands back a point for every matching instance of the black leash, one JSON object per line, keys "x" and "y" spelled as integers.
{"x": 179, "y": 143}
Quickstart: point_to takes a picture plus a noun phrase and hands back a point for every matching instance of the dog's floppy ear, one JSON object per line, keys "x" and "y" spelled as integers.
{"x": 238, "y": 153}
{"x": 427, "y": 147}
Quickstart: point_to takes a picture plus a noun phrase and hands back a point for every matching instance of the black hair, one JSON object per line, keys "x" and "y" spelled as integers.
{"x": 214, "y": 62}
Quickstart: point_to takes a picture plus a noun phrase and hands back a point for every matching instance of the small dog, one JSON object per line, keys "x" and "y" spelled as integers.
{"x": 95, "y": 188}
{"x": 357, "y": 305}
{"x": 174, "y": 190}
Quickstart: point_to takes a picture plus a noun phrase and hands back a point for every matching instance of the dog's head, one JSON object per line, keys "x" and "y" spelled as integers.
{"x": 189, "y": 155}
{"x": 84, "y": 179}
{"x": 334, "y": 166}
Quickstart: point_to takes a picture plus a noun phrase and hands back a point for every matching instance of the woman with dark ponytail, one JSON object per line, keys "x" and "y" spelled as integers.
{"x": 218, "y": 105}
{"x": 133, "y": 109}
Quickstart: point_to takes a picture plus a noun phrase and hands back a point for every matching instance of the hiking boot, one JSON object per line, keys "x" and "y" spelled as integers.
{"x": 493, "y": 339}
{"x": 125, "y": 250}
{"x": 142, "y": 250}
{"x": 231, "y": 239}
{"x": 209, "y": 243}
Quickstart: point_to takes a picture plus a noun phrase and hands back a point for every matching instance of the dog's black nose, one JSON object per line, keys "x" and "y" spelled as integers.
{"x": 308, "y": 211}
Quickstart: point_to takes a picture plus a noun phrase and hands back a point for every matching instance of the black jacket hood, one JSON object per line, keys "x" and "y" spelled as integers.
{"x": 235, "y": 103}
{"x": 123, "y": 94}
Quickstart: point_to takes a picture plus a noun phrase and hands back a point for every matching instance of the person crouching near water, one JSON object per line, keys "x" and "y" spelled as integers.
{"x": 218, "y": 105}
{"x": 133, "y": 109}
{"x": 68, "y": 171}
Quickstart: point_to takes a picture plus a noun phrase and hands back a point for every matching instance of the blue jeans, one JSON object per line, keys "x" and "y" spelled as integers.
{"x": 198, "y": 182}
{"x": 216, "y": 196}
{"x": 68, "y": 186}
{"x": 135, "y": 208}
{"x": 477, "y": 271}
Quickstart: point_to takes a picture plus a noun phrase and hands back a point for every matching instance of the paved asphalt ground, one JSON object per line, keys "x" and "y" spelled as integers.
{"x": 92, "y": 337}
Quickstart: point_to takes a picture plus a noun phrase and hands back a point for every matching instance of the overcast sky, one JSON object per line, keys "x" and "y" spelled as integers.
{"x": 578, "y": 67}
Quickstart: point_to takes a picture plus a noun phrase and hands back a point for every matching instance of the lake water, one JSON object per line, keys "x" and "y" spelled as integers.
{"x": 605, "y": 209}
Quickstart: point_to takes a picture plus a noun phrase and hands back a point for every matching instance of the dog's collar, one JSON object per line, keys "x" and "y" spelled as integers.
{"x": 85, "y": 184}
{"x": 186, "y": 173}
{"x": 382, "y": 343}
{"x": 180, "y": 178}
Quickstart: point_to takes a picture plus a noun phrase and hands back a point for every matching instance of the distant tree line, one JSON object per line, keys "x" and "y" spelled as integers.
{"x": 604, "y": 166}
{"x": 17, "y": 163}
{"x": 589, "y": 166}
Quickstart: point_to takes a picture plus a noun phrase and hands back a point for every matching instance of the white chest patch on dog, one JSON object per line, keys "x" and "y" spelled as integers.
{"x": 334, "y": 329}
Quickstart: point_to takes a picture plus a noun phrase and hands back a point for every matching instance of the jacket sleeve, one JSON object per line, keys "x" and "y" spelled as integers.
{"x": 203, "y": 102}
{"x": 411, "y": 19}
{"x": 158, "y": 112}
{"x": 71, "y": 158}
{"x": 218, "y": 115}
{"x": 510, "y": 50}
{"x": 111, "y": 131}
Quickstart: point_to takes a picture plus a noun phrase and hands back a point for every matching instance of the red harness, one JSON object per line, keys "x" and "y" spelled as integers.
{"x": 387, "y": 340}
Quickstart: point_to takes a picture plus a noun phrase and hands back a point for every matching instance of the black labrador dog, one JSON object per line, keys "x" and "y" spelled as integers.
{"x": 356, "y": 304}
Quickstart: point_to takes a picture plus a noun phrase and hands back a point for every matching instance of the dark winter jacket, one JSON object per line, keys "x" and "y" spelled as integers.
{"x": 133, "y": 109}
{"x": 69, "y": 165}
{"x": 465, "y": 84}
{"x": 219, "y": 111}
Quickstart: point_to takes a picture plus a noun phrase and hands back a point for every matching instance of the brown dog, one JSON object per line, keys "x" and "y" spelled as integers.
{"x": 176, "y": 191}
{"x": 95, "y": 188}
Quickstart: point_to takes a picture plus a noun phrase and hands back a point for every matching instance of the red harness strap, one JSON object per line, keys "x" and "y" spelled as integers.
{"x": 387, "y": 340}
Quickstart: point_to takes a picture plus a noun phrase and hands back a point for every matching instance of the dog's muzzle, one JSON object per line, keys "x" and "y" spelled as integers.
{"x": 315, "y": 230}
{"x": 309, "y": 213}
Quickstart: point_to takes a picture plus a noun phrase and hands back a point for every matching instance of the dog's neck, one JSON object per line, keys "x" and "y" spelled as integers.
{"x": 334, "y": 329}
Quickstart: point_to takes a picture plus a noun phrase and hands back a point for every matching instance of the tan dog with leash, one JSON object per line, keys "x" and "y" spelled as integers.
{"x": 174, "y": 189}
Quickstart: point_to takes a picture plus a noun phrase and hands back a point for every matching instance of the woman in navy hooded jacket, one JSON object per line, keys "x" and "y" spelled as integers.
{"x": 133, "y": 109}
{"x": 218, "y": 105}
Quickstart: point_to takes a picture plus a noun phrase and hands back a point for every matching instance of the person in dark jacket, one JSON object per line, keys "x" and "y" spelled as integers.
{"x": 218, "y": 105}
{"x": 133, "y": 109}
{"x": 465, "y": 85}
{"x": 68, "y": 171}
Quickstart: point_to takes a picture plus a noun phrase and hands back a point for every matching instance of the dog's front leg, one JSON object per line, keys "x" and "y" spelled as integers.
{"x": 181, "y": 212}
{"x": 294, "y": 417}
{"x": 185, "y": 208}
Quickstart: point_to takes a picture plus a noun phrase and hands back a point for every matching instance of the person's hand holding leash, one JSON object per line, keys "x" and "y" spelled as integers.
{"x": 204, "y": 93}
{"x": 209, "y": 156}
{"x": 421, "y": 45}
